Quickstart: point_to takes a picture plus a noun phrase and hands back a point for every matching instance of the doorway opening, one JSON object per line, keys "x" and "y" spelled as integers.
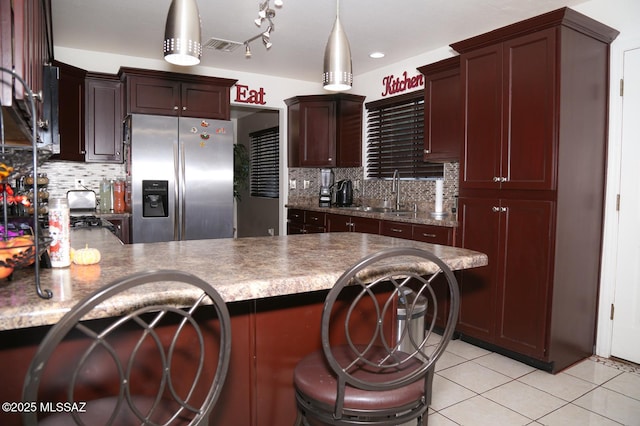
{"x": 255, "y": 216}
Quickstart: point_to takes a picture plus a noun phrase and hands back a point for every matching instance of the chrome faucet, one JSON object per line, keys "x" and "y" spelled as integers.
{"x": 395, "y": 187}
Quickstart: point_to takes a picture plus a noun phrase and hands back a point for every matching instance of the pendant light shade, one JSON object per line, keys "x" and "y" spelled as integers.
{"x": 182, "y": 33}
{"x": 338, "y": 74}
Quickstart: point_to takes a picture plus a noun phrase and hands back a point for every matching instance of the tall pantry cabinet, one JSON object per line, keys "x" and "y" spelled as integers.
{"x": 532, "y": 174}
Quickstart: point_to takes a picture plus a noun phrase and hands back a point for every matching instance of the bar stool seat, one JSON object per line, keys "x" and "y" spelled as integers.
{"x": 370, "y": 371}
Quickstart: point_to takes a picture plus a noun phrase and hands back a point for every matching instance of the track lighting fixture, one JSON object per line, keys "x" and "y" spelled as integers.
{"x": 182, "y": 33}
{"x": 265, "y": 13}
{"x": 338, "y": 74}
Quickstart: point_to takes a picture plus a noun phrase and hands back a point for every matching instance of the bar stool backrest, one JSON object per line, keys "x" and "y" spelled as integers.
{"x": 157, "y": 363}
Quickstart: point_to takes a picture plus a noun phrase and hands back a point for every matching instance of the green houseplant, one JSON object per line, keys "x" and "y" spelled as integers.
{"x": 241, "y": 169}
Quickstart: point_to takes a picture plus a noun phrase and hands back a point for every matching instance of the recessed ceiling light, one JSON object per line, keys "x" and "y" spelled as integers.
{"x": 376, "y": 55}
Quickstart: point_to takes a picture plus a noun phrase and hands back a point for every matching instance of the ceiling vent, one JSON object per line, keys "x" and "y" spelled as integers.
{"x": 222, "y": 45}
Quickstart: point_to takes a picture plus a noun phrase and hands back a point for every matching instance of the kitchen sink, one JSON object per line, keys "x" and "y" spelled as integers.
{"x": 399, "y": 213}
{"x": 383, "y": 210}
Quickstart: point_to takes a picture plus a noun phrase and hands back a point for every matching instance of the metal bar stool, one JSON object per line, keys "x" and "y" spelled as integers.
{"x": 153, "y": 365}
{"x": 367, "y": 374}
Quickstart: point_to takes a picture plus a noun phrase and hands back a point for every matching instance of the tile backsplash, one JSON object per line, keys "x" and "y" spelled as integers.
{"x": 375, "y": 191}
{"x": 62, "y": 175}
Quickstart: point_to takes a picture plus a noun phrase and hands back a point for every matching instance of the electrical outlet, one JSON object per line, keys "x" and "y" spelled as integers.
{"x": 306, "y": 184}
{"x": 292, "y": 184}
{"x": 80, "y": 184}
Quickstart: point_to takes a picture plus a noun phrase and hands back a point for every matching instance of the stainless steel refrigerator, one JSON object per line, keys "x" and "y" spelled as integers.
{"x": 181, "y": 178}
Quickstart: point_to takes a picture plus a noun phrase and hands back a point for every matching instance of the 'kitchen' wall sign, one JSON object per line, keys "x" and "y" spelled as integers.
{"x": 394, "y": 85}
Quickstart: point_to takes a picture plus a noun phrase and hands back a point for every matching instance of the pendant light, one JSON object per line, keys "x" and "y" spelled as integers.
{"x": 337, "y": 74}
{"x": 182, "y": 33}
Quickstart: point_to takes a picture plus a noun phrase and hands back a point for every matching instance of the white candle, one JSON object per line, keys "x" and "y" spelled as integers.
{"x": 439, "y": 190}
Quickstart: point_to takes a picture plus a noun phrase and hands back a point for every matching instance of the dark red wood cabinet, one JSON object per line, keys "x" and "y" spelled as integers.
{"x": 532, "y": 172}
{"x": 103, "y": 122}
{"x": 71, "y": 112}
{"x": 304, "y": 222}
{"x": 26, "y": 46}
{"x": 184, "y": 95}
{"x": 90, "y": 116}
{"x": 122, "y": 227}
{"x": 442, "y": 110}
{"x": 510, "y": 94}
{"x": 343, "y": 223}
{"x": 325, "y": 130}
{"x": 516, "y": 235}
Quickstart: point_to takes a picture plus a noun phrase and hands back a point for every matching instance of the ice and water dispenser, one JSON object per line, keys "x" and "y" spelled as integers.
{"x": 155, "y": 198}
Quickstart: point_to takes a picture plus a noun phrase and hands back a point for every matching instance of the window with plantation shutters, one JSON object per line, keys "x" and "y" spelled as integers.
{"x": 395, "y": 138}
{"x": 265, "y": 163}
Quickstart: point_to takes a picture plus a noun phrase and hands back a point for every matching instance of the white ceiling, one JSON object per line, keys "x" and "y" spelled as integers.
{"x": 400, "y": 28}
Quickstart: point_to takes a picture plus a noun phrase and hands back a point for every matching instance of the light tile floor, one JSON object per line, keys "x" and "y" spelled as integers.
{"x": 475, "y": 387}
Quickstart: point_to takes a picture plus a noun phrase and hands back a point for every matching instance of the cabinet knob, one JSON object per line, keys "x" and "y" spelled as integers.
{"x": 330, "y": 159}
{"x": 495, "y": 209}
{"x": 184, "y": 108}
{"x": 396, "y": 230}
{"x": 429, "y": 235}
{"x": 496, "y": 179}
{"x": 175, "y": 108}
{"x": 503, "y": 179}
{"x": 426, "y": 151}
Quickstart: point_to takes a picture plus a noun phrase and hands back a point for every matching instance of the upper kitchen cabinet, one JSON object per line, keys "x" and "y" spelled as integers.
{"x": 442, "y": 110}
{"x": 325, "y": 130}
{"x": 71, "y": 112}
{"x": 528, "y": 100}
{"x": 90, "y": 116}
{"x": 103, "y": 122}
{"x": 173, "y": 94}
{"x": 26, "y": 47}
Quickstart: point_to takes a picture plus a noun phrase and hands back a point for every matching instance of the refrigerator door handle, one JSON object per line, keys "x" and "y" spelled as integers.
{"x": 177, "y": 219}
{"x": 183, "y": 195}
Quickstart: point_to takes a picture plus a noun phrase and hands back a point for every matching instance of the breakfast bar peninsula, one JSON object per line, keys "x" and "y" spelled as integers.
{"x": 274, "y": 288}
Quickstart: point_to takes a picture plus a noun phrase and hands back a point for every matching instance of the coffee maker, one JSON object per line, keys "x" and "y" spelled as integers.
{"x": 326, "y": 185}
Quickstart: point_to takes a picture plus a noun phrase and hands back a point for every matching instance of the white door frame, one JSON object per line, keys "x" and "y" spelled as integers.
{"x": 610, "y": 234}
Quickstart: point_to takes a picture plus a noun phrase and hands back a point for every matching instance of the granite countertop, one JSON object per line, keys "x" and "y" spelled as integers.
{"x": 240, "y": 269}
{"x": 421, "y": 217}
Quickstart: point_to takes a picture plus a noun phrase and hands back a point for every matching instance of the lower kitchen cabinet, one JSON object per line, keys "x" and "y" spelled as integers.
{"x": 343, "y": 223}
{"x": 507, "y": 303}
{"x": 122, "y": 228}
{"x": 396, "y": 229}
{"x": 304, "y": 222}
{"x": 428, "y": 234}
